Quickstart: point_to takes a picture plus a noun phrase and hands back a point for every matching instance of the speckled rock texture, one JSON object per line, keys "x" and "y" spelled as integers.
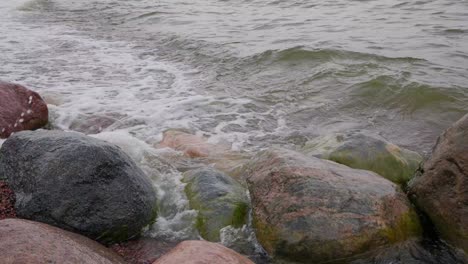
{"x": 317, "y": 211}
{"x": 20, "y": 109}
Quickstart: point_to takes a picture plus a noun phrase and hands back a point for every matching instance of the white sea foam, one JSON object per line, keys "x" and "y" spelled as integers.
{"x": 175, "y": 218}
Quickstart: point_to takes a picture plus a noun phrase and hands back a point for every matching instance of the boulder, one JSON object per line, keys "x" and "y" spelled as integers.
{"x": 78, "y": 183}
{"x": 93, "y": 124}
{"x": 199, "y": 149}
{"x": 219, "y": 199}
{"x": 202, "y": 252}
{"x": 365, "y": 151}
{"x": 143, "y": 250}
{"x": 314, "y": 211}
{"x": 414, "y": 251}
{"x": 20, "y": 109}
{"x": 441, "y": 187}
{"x": 191, "y": 145}
{"x": 25, "y": 241}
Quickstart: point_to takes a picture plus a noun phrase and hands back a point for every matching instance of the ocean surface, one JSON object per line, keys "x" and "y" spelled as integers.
{"x": 250, "y": 73}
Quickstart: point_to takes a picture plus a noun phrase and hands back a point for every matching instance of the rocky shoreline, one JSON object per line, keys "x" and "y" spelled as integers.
{"x": 66, "y": 197}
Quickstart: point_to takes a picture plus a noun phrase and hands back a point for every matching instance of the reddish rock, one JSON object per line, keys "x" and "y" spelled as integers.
{"x": 202, "y": 252}
{"x": 142, "y": 251}
{"x": 441, "y": 189}
{"x": 195, "y": 147}
{"x": 191, "y": 145}
{"x": 7, "y": 202}
{"x": 310, "y": 210}
{"x": 20, "y": 109}
{"x": 24, "y": 241}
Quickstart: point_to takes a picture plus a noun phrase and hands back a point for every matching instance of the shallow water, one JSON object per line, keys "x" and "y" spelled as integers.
{"x": 251, "y": 73}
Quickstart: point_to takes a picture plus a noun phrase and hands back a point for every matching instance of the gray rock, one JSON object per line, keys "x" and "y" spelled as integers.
{"x": 78, "y": 183}
{"x": 219, "y": 199}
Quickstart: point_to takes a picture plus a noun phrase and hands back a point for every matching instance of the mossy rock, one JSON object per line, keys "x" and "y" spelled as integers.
{"x": 310, "y": 210}
{"x": 220, "y": 200}
{"x": 365, "y": 151}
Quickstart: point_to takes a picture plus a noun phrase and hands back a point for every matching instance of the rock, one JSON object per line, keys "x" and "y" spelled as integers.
{"x": 415, "y": 251}
{"x": 78, "y": 183}
{"x": 219, "y": 199}
{"x": 368, "y": 152}
{"x": 315, "y": 211}
{"x": 93, "y": 124}
{"x": 218, "y": 156}
{"x": 7, "y": 201}
{"x": 202, "y": 252}
{"x": 20, "y": 109}
{"x": 143, "y": 250}
{"x": 191, "y": 145}
{"x": 52, "y": 98}
{"x": 25, "y": 241}
{"x": 441, "y": 187}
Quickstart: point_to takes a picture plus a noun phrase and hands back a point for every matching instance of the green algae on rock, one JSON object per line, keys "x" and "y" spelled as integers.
{"x": 219, "y": 199}
{"x": 360, "y": 150}
{"x": 316, "y": 211}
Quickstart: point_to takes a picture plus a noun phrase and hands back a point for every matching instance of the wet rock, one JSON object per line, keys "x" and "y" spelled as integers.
{"x": 315, "y": 211}
{"x": 202, "y": 252}
{"x": 415, "y": 252}
{"x": 195, "y": 147}
{"x": 191, "y": 145}
{"x": 52, "y": 98}
{"x": 20, "y": 109}
{"x": 25, "y": 241}
{"x": 78, "y": 183}
{"x": 441, "y": 187}
{"x": 360, "y": 150}
{"x": 93, "y": 124}
{"x": 7, "y": 201}
{"x": 219, "y": 199}
{"x": 142, "y": 251}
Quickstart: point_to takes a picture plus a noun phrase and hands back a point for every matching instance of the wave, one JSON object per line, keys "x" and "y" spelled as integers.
{"x": 407, "y": 95}
{"x": 301, "y": 53}
{"x": 36, "y": 5}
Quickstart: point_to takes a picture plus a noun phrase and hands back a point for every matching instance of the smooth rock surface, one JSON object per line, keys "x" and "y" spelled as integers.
{"x": 143, "y": 250}
{"x": 219, "y": 199}
{"x": 20, "y": 109}
{"x": 365, "y": 151}
{"x": 202, "y": 252}
{"x": 78, "y": 183}
{"x": 24, "y": 241}
{"x": 441, "y": 188}
{"x": 315, "y": 211}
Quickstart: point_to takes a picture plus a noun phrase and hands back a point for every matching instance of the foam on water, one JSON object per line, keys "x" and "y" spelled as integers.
{"x": 175, "y": 218}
